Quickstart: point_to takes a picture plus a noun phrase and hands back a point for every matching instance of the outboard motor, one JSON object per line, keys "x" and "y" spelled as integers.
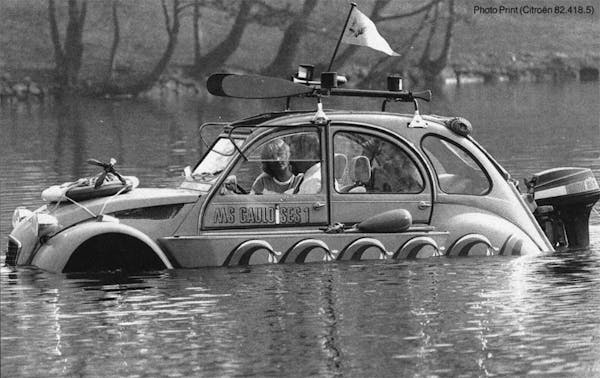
{"x": 565, "y": 198}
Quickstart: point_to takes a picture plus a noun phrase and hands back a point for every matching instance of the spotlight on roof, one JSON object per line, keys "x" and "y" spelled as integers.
{"x": 305, "y": 72}
{"x": 305, "y": 75}
{"x": 329, "y": 80}
{"x": 394, "y": 83}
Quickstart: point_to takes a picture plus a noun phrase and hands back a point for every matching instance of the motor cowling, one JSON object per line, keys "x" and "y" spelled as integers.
{"x": 564, "y": 197}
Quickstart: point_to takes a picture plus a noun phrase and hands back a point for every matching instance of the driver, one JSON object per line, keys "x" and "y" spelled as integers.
{"x": 277, "y": 176}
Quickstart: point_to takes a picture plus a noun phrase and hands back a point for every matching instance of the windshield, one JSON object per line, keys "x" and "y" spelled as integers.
{"x": 213, "y": 163}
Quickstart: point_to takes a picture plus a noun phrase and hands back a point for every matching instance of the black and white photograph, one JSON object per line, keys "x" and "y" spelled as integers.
{"x": 299, "y": 188}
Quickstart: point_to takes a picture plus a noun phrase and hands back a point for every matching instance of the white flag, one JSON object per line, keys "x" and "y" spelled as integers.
{"x": 362, "y": 31}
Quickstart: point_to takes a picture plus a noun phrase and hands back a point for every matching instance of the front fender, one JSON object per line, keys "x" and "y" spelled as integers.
{"x": 53, "y": 255}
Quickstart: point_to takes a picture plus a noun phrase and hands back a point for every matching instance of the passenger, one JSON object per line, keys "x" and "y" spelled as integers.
{"x": 396, "y": 172}
{"x": 277, "y": 176}
{"x": 307, "y": 148}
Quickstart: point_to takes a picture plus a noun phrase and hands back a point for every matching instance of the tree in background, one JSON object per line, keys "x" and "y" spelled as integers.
{"x": 67, "y": 58}
{"x": 283, "y": 63}
{"x": 217, "y": 56}
{"x": 434, "y": 33}
{"x": 244, "y": 12}
{"x": 431, "y": 40}
{"x": 430, "y": 65}
{"x": 172, "y": 25}
{"x": 110, "y": 72}
{"x": 196, "y": 30}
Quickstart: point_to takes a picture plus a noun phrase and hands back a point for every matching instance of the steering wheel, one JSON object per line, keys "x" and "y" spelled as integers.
{"x": 239, "y": 190}
{"x": 232, "y": 185}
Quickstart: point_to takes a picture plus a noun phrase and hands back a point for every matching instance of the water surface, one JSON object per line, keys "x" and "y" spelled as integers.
{"x": 438, "y": 317}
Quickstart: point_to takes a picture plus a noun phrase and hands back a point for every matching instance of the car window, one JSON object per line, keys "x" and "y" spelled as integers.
{"x": 289, "y": 163}
{"x": 365, "y": 163}
{"x": 456, "y": 170}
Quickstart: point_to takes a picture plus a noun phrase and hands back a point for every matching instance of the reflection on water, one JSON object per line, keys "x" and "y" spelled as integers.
{"x": 441, "y": 317}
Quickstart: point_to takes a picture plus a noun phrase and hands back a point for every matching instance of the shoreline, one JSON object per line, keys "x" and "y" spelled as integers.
{"x": 21, "y": 84}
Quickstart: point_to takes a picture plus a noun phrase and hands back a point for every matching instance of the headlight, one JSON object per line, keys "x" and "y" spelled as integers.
{"x": 19, "y": 215}
{"x": 41, "y": 224}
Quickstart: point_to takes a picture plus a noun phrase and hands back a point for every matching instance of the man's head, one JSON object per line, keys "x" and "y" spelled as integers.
{"x": 275, "y": 157}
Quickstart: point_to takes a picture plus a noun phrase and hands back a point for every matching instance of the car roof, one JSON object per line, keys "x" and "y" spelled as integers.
{"x": 395, "y": 122}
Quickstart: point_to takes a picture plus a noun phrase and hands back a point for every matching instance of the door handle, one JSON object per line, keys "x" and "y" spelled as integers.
{"x": 318, "y": 205}
{"x": 423, "y": 205}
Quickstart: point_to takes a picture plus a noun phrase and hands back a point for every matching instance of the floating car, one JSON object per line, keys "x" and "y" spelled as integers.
{"x": 301, "y": 186}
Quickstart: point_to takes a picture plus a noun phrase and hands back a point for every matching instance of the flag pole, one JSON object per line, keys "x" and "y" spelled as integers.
{"x": 352, "y": 5}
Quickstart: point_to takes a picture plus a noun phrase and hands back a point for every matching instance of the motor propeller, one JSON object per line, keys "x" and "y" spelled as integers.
{"x": 108, "y": 168}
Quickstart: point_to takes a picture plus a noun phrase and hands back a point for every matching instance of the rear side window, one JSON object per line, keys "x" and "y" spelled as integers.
{"x": 365, "y": 163}
{"x": 456, "y": 170}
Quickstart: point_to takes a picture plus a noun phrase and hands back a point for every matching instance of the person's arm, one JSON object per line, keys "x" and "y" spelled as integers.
{"x": 259, "y": 185}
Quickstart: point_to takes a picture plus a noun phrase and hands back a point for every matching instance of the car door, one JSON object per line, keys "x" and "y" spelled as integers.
{"x": 252, "y": 197}
{"x": 375, "y": 172}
